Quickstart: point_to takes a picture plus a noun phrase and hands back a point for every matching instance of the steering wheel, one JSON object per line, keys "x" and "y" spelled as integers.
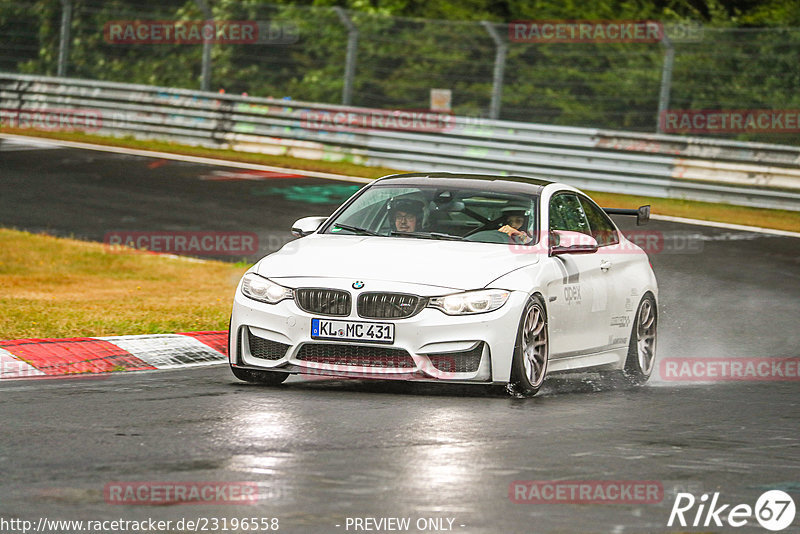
{"x": 490, "y": 226}
{"x": 487, "y": 236}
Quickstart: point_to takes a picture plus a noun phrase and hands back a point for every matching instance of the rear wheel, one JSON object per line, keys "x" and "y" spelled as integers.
{"x": 269, "y": 378}
{"x": 642, "y": 347}
{"x": 529, "y": 366}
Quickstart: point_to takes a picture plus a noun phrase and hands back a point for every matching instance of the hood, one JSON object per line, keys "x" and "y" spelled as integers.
{"x": 453, "y": 264}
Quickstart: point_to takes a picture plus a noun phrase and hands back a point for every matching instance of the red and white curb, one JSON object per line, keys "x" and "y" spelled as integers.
{"x": 30, "y": 358}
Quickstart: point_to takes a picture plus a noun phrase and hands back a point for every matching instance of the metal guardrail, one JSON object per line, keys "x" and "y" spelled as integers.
{"x": 670, "y": 166}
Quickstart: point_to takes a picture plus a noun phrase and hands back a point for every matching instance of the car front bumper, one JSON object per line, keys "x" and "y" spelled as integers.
{"x": 429, "y": 346}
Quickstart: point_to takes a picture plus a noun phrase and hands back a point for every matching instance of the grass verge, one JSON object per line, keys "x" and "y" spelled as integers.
{"x": 708, "y": 211}
{"x": 56, "y": 287}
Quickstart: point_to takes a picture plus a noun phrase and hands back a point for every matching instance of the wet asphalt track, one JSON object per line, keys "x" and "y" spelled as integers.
{"x": 322, "y": 451}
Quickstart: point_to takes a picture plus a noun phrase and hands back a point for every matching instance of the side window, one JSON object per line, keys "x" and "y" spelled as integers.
{"x": 566, "y": 213}
{"x": 601, "y": 226}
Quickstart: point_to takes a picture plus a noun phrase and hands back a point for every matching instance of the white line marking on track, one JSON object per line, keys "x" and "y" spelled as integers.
{"x": 727, "y": 226}
{"x": 14, "y": 145}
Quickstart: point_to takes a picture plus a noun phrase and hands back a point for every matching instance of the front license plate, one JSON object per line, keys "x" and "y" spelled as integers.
{"x": 352, "y": 331}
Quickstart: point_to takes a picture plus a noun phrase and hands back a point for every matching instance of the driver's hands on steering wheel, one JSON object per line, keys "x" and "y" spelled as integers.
{"x": 510, "y": 230}
{"x": 518, "y": 235}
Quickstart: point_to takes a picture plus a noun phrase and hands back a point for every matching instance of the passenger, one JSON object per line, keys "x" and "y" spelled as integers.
{"x": 405, "y": 215}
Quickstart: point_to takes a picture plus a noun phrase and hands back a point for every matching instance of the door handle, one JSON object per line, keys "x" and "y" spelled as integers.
{"x": 605, "y": 265}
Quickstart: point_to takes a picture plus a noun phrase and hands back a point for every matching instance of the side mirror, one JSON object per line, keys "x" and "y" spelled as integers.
{"x": 307, "y": 225}
{"x": 565, "y": 242}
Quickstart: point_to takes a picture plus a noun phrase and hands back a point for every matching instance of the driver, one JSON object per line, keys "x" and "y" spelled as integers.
{"x": 405, "y": 215}
{"x": 516, "y": 221}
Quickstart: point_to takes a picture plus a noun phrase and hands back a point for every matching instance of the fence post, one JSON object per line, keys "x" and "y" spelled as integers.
{"x": 350, "y": 62}
{"x": 63, "y": 41}
{"x": 666, "y": 80}
{"x": 499, "y": 69}
{"x": 205, "y": 84}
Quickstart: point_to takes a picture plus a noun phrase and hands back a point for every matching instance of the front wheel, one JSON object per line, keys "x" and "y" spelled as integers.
{"x": 529, "y": 366}
{"x": 642, "y": 347}
{"x": 268, "y": 378}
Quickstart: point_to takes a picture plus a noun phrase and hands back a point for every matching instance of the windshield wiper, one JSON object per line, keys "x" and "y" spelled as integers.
{"x": 355, "y": 229}
{"x": 429, "y": 235}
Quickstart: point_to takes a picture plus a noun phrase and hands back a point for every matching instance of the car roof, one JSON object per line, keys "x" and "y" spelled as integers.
{"x": 506, "y": 184}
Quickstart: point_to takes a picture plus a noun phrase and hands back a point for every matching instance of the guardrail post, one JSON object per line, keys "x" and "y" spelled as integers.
{"x": 63, "y": 41}
{"x": 350, "y": 62}
{"x": 205, "y": 84}
{"x": 666, "y": 80}
{"x": 499, "y": 69}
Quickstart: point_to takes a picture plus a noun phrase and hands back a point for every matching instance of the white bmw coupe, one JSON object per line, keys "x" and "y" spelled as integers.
{"x": 452, "y": 278}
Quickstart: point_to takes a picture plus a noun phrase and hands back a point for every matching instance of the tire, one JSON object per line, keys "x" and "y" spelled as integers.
{"x": 642, "y": 347}
{"x": 267, "y": 378}
{"x": 531, "y": 351}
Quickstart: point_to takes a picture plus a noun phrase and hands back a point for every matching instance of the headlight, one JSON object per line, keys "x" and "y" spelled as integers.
{"x": 469, "y": 302}
{"x": 259, "y": 288}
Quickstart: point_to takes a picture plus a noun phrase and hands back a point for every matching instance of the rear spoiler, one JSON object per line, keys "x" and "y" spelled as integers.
{"x": 642, "y": 214}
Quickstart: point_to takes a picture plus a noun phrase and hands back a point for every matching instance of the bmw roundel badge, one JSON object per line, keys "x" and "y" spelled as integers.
{"x": 358, "y": 284}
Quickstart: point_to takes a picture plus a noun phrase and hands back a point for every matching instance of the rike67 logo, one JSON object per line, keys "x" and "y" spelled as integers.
{"x": 774, "y": 510}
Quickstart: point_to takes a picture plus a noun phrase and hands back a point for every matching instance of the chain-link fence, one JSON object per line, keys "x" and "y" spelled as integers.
{"x": 490, "y": 70}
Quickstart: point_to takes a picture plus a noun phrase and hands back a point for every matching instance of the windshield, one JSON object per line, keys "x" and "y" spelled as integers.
{"x": 427, "y": 212}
